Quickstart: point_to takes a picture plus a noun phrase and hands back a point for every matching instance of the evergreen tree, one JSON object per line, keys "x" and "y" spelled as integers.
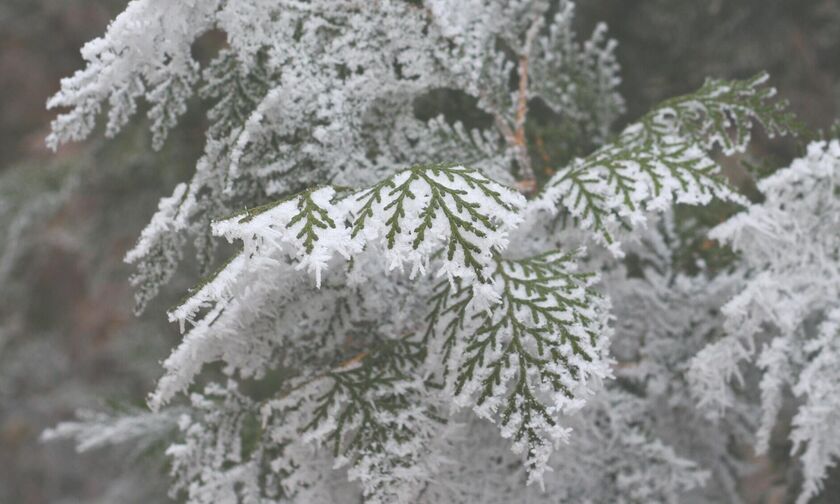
{"x": 421, "y": 304}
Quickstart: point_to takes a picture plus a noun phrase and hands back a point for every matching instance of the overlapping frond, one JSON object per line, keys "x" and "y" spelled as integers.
{"x": 789, "y": 243}
{"x": 370, "y": 413}
{"x": 419, "y": 211}
{"x": 665, "y": 157}
{"x": 529, "y": 359}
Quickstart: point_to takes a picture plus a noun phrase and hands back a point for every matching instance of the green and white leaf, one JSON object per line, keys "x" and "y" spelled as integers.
{"x": 665, "y": 158}
{"x": 531, "y": 358}
{"x": 420, "y": 211}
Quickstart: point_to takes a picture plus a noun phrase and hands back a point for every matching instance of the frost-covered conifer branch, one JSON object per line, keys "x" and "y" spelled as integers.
{"x": 529, "y": 358}
{"x": 94, "y": 430}
{"x": 664, "y": 158}
{"x": 145, "y": 53}
{"x": 371, "y": 413}
{"x": 577, "y": 81}
{"x": 271, "y": 135}
{"x": 719, "y": 114}
{"x": 438, "y": 212}
{"x": 790, "y": 244}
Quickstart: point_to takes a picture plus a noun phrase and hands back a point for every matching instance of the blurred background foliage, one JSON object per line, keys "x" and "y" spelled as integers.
{"x": 68, "y": 338}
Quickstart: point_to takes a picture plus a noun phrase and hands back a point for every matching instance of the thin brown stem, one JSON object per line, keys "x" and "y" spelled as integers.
{"x": 527, "y": 180}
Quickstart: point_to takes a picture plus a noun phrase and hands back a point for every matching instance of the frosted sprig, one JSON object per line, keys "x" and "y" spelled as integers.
{"x": 720, "y": 114}
{"x": 419, "y": 211}
{"x": 532, "y": 357}
{"x": 789, "y": 243}
{"x": 368, "y": 411}
{"x": 664, "y": 158}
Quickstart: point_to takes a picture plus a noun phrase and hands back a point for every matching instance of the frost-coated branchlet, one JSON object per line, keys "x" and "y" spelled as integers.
{"x": 790, "y": 244}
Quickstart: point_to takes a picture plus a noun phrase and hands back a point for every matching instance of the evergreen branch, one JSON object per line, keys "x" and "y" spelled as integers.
{"x": 664, "y": 157}
{"x": 369, "y": 410}
{"x": 719, "y": 114}
{"x": 528, "y": 358}
{"x": 359, "y": 389}
{"x": 420, "y": 209}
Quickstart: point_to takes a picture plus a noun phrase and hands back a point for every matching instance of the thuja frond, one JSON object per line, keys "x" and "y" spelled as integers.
{"x": 665, "y": 157}
{"x": 307, "y": 227}
{"x": 530, "y": 358}
{"x": 419, "y": 210}
{"x": 369, "y": 411}
{"x": 789, "y": 244}
{"x": 620, "y": 184}
{"x": 720, "y": 114}
{"x": 410, "y": 215}
{"x": 236, "y": 87}
{"x": 578, "y": 80}
{"x": 360, "y": 390}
